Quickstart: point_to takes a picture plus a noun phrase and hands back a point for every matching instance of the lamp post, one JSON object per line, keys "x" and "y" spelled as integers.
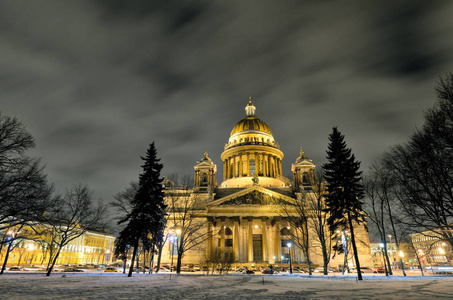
{"x": 383, "y": 258}
{"x": 178, "y": 232}
{"x": 172, "y": 246}
{"x": 290, "y": 262}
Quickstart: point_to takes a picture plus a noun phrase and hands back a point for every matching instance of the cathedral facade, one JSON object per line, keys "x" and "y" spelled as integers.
{"x": 242, "y": 218}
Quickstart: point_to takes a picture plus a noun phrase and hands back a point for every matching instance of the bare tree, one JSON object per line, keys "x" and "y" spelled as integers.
{"x": 23, "y": 185}
{"x": 422, "y": 169}
{"x": 123, "y": 200}
{"x": 297, "y": 214}
{"x": 70, "y": 217}
{"x": 318, "y": 218}
{"x": 185, "y": 213}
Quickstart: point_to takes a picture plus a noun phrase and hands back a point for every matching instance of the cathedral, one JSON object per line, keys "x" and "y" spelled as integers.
{"x": 242, "y": 218}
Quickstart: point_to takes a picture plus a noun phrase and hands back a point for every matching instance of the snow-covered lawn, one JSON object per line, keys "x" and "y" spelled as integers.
{"x": 234, "y": 286}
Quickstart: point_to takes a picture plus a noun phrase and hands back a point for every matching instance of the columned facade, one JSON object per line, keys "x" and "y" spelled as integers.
{"x": 245, "y": 223}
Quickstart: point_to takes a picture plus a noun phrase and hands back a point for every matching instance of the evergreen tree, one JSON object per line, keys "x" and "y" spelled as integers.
{"x": 345, "y": 190}
{"x": 147, "y": 216}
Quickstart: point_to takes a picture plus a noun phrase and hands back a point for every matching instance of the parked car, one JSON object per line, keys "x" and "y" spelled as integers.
{"x": 72, "y": 270}
{"x": 111, "y": 270}
{"x": 267, "y": 271}
{"x": 196, "y": 268}
{"x": 247, "y": 271}
{"x": 366, "y": 270}
{"x": 16, "y": 269}
{"x": 379, "y": 270}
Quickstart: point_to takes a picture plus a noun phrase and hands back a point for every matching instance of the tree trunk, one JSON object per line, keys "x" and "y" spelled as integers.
{"x": 50, "y": 268}
{"x": 396, "y": 237}
{"x": 144, "y": 260}
{"x": 178, "y": 265}
{"x": 354, "y": 247}
{"x": 151, "y": 262}
{"x": 131, "y": 269}
{"x": 138, "y": 262}
{"x": 159, "y": 256}
{"x": 418, "y": 259}
{"x": 389, "y": 266}
{"x": 325, "y": 259}
{"x": 6, "y": 257}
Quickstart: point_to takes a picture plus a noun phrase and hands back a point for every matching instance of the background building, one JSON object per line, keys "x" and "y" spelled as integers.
{"x": 30, "y": 248}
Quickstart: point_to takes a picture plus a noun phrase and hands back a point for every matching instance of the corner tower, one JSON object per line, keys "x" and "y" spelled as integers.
{"x": 205, "y": 171}
{"x": 252, "y": 152}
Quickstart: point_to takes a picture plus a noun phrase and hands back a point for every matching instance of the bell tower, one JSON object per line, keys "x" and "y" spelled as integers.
{"x": 303, "y": 171}
{"x": 205, "y": 171}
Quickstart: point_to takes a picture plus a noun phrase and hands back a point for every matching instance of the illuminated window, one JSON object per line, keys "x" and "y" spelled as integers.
{"x": 252, "y": 167}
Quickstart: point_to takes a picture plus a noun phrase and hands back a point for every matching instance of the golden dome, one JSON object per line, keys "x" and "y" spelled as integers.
{"x": 250, "y": 123}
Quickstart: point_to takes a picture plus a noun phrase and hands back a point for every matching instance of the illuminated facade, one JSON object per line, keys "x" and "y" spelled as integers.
{"x": 243, "y": 216}
{"x": 29, "y": 248}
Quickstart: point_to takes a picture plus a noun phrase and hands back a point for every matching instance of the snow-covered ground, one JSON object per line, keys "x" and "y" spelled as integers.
{"x": 233, "y": 286}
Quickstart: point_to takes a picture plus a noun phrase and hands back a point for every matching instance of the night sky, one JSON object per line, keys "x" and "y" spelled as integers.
{"x": 96, "y": 82}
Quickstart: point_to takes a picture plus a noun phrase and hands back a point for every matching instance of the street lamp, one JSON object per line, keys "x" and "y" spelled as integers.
{"x": 172, "y": 247}
{"x": 290, "y": 262}
{"x": 383, "y": 258}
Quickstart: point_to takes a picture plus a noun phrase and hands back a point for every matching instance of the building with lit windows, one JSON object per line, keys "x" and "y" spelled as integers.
{"x": 242, "y": 216}
{"x": 29, "y": 248}
{"x": 432, "y": 248}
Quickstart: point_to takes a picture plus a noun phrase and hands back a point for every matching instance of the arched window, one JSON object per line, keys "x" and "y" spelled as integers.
{"x": 305, "y": 178}
{"x": 252, "y": 166}
{"x": 228, "y": 231}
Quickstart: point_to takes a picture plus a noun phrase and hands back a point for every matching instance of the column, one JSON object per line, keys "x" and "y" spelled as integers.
{"x": 257, "y": 166}
{"x": 248, "y": 164}
{"x": 264, "y": 239}
{"x": 234, "y": 166}
{"x": 241, "y": 171}
{"x": 277, "y": 242}
{"x": 274, "y": 166}
{"x": 236, "y": 239}
{"x": 250, "y": 241}
{"x": 280, "y": 166}
{"x": 224, "y": 169}
{"x": 209, "y": 240}
{"x": 222, "y": 236}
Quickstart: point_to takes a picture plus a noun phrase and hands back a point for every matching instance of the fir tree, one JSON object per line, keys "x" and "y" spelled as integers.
{"x": 345, "y": 190}
{"x": 147, "y": 216}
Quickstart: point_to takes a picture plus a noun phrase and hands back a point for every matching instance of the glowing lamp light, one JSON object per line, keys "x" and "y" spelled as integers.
{"x": 381, "y": 245}
{"x": 289, "y": 245}
{"x": 441, "y": 251}
{"x": 178, "y": 231}
{"x": 401, "y": 254}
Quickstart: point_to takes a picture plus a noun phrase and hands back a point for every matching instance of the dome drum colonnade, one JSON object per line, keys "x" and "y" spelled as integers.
{"x": 251, "y": 151}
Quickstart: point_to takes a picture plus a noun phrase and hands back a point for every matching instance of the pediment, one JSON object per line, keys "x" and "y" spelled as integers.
{"x": 253, "y": 196}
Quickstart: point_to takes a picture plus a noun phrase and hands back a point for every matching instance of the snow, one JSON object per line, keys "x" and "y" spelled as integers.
{"x": 23, "y": 285}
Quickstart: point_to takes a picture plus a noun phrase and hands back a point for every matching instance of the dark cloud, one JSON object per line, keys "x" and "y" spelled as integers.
{"x": 97, "y": 81}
